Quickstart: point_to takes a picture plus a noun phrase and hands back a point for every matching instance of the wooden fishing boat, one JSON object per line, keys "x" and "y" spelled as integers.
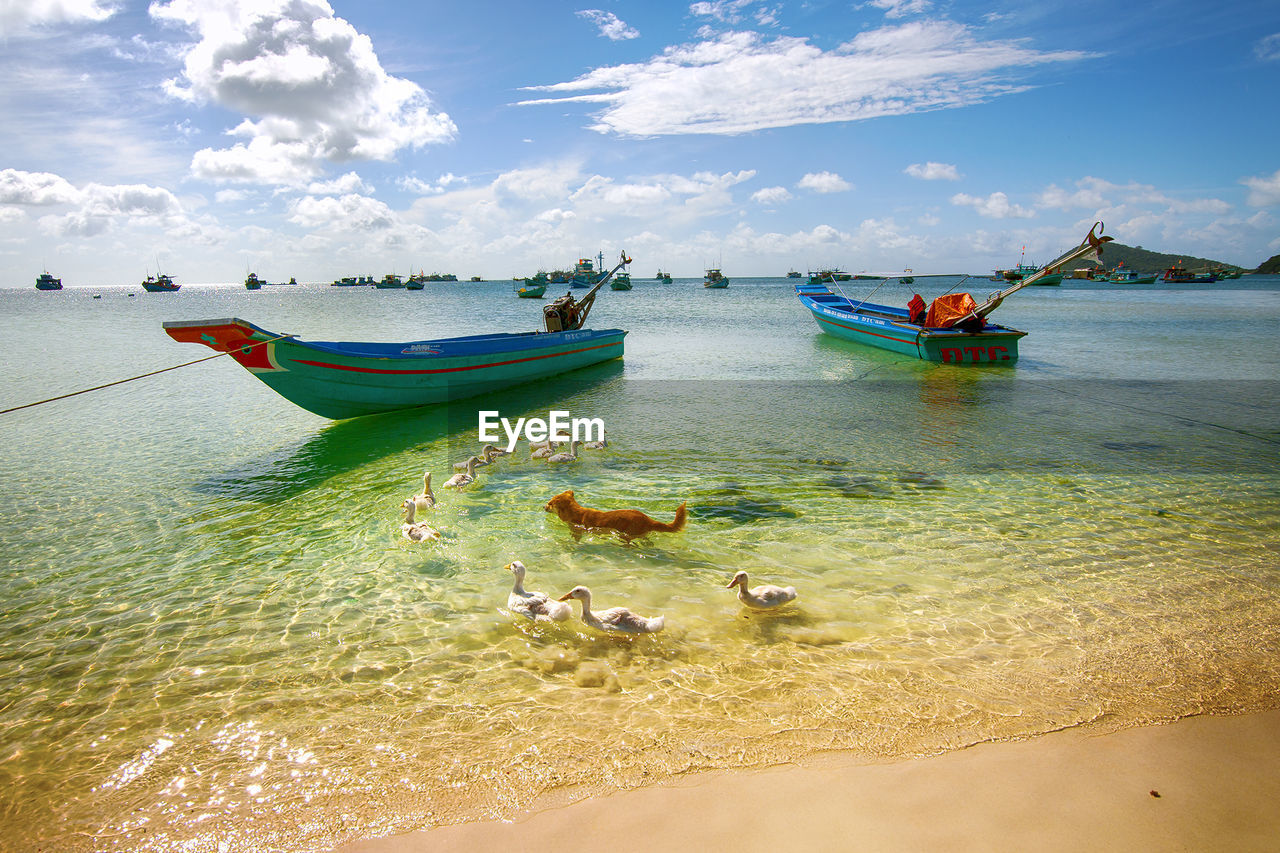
{"x": 347, "y": 379}
{"x": 1119, "y": 275}
{"x": 954, "y": 329}
{"x": 664, "y": 277}
{"x": 1178, "y": 274}
{"x": 160, "y": 283}
{"x": 390, "y": 281}
{"x": 793, "y": 273}
{"x": 532, "y": 288}
{"x": 46, "y": 281}
{"x": 714, "y": 279}
{"x": 585, "y": 273}
{"x": 252, "y": 282}
{"x": 621, "y": 281}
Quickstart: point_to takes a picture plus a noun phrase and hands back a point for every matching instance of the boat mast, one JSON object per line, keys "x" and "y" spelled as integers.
{"x": 1092, "y": 245}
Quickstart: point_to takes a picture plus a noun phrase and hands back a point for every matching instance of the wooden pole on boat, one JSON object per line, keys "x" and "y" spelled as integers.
{"x": 1092, "y": 245}
{"x": 583, "y": 307}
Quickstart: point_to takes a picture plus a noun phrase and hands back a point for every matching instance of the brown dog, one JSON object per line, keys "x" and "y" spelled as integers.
{"x": 629, "y": 523}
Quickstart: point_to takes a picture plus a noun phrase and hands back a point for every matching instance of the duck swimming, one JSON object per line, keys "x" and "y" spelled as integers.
{"x": 427, "y": 499}
{"x": 537, "y": 606}
{"x": 616, "y": 620}
{"x": 571, "y": 455}
{"x": 416, "y": 531}
{"x": 763, "y": 597}
{"x": 466, "y": 478}
{"x": 484, "y": 457}
{"x": 597, "y": 445}
{"x": 544, "y": 449}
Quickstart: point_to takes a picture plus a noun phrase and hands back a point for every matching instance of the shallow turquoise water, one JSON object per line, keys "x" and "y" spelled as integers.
{"x": 213, "y": 633}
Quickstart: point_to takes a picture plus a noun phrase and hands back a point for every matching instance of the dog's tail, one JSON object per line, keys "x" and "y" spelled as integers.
{"x": 677, "y": 524}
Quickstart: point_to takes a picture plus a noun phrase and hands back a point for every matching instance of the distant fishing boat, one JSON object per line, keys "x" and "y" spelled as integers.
{"x": 585, "y": 273}
{"x": 953, "y": 330}
{"x": 621, "y": 281}
{"x": 390, "y": 281}
{"x": 532, "y": 288}
{"x": 159, "y": 283}
{"x": 793, "y": 274}
{"x": 351, "y": 281}
{"x": 1119, "y": 275}
{"x": 664, "y": 277}
{"x": 348, "y": 379}
{"x": 45, "y": 281}
{"x": 1178, "y": 274}
{"x": 713, "y": 279}
{"x": 252, "y": 282}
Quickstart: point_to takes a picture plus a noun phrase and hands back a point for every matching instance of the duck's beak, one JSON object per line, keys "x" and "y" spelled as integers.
{"x": 565, "y": 597}
{"x": 507, "y": 567}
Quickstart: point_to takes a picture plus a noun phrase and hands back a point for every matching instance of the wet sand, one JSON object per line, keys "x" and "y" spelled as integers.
{"x": 1203, "y": 783}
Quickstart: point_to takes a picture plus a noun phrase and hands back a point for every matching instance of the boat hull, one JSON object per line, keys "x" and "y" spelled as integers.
{"x": 888, "y": 328}
{"x": 346, "y": 380}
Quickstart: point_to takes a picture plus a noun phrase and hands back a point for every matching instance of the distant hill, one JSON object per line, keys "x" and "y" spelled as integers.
{"x": 1138, "y": 258}
{"x": 1270, "y": 266}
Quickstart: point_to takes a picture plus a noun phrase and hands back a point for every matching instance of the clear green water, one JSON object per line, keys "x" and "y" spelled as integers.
{"x": 212, "y": 636}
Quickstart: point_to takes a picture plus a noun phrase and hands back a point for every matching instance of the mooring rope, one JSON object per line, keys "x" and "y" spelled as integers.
{"x": 140, "y": 376}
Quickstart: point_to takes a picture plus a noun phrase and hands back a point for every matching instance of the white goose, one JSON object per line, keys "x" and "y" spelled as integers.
{"x": 484, "y": 457}
{"x": 571, "y": 455}
{"x": 466, "y": 478}
{"x": 543, "y": 449}
{"x": 416, "y": 531}
{"x": 763, "y": 597}
{"x": 427, "y": 499}
{"x": 618, "y": 620}
{"x": 537, "y": 606}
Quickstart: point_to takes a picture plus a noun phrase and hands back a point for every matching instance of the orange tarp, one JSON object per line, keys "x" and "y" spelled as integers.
{"x": 947, "y": 309}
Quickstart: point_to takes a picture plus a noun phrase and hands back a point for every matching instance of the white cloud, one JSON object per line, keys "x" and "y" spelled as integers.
{"x": 231, "y": 196}
{"x": 994, "y": 206}
{"x": 18, "y": 17}
{"x": 740, "y": 82}
{"x": 348, "y": 212}
{"x": 725, "y": 11}
{"x": 1268, "y": 48}
{"x": 932, "y": 171}
{"x": 824, "y": 182}
{"x": 345, "y": 185}
{"x": 1099, "y": 195}
{"x": 610, "y": 26}
{"x": 771, "y": 195}
{"x": 40, "y": 188}
{"x": 312, "y": 84}
{"x": 899, "y": 8}
{"x": 1264, "y": 190}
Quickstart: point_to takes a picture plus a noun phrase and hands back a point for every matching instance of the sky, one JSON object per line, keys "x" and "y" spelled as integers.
{"x": 208, "y": 138}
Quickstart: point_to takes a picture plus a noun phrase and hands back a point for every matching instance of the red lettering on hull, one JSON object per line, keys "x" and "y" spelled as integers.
{"x": 974, "y": 355}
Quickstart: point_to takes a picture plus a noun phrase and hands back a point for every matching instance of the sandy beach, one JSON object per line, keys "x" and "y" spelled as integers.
{"x": 1202, "y": 783}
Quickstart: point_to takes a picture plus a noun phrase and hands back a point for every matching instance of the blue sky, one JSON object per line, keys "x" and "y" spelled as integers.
{"x": 318, "y": 139}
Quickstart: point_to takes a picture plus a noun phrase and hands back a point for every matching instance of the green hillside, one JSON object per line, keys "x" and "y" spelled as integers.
{"x": 1270, "y": 266}
{"x": 1138, "y": 258}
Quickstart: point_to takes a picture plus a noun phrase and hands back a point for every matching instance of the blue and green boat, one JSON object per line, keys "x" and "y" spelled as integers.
{"x": 954, "y": 330}
{"x": 338, "y": 379}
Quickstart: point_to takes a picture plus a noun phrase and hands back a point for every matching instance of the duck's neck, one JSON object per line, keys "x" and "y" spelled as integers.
{"x": 518, "y": 588}
{"x": 408, "y": 512}
{"x": 587, "y": 615}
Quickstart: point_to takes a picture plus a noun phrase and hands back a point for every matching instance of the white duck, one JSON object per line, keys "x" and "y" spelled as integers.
{"x": 618, "y": 620}
{"x": 544, "y": 449}
{"x": 571, "y": 455}
{"x": 427, "y": 499}
{"x": 763, "y": 597}
{"x": 484, "y": 457}
{"x": 597, "y": 445}
{"x": 416, "y": 531}
{"x": 537, "y": 606}
{"x": 466, "y": 478}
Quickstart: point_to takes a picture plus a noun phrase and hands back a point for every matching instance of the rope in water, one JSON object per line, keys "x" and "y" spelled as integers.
{"x": 140, "y": 376}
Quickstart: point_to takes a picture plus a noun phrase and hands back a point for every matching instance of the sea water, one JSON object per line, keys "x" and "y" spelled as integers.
{"x": 214, "y": 637}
